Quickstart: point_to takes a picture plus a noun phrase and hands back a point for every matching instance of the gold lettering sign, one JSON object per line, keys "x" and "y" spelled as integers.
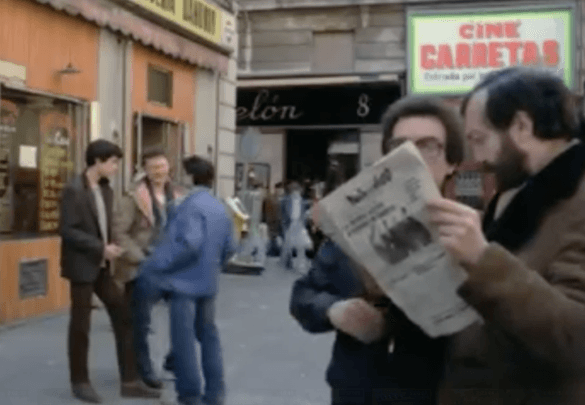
{"x": 200, "y": 15}
{"x": 165, "y": 5}
{"x": 55, "y": 166}
{"x": 196, "y": 16}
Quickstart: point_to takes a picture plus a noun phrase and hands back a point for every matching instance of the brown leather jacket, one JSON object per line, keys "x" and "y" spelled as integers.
{"x": 133, "y": 228}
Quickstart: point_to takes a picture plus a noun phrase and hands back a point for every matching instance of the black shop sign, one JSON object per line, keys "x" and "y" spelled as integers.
{"x": 324, "y": 105}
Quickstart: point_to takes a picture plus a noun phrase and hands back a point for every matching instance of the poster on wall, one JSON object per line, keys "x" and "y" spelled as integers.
{"x": 450, "y": 52}
{"x": 56, "y": 163}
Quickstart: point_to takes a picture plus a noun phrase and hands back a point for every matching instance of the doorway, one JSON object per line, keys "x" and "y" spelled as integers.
{"x": 309, "y": 152}
{"x": 158, "y": 132}
{"x": 306, "y": 155}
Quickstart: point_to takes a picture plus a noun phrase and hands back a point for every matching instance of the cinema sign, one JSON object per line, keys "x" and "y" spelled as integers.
{"x": 450, "y": 52}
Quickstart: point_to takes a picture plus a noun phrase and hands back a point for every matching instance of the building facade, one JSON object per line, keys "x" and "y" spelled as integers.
{"x": 315, "y": 77}
{"x": 136, "y": 72}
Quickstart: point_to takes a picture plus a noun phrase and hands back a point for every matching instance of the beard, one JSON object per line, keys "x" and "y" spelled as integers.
{"x": 510, "y": 167}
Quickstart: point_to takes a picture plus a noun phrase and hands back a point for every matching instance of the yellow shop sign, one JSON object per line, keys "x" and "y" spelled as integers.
{"x": 196, "y": 16}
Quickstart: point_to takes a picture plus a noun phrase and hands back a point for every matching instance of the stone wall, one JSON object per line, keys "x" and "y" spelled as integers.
{"x": 283, "y": 40}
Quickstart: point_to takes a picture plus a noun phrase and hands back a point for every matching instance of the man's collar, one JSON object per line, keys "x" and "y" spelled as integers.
{"x": 519, "y": 222}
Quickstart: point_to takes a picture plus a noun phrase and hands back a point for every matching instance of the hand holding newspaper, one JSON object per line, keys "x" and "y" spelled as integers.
{"x": 379, "y": 220}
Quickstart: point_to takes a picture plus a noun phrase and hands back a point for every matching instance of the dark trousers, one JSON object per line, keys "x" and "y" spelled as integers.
{"x": 79, "y": 327}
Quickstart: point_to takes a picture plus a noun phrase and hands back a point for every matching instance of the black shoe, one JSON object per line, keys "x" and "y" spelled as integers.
{"x": 169, "y": 364}
{"x": 85, "y": 392}
{"x": 153, "y": 382}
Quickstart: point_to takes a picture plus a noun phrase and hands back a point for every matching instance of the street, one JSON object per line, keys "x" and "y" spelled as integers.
{"x": 269, "y": 359}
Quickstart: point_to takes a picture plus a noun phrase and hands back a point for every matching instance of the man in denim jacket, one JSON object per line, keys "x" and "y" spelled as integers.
{"x": 197, "y": 242}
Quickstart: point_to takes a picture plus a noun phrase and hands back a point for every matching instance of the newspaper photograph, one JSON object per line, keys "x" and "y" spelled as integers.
{"x": 379, "y": 220}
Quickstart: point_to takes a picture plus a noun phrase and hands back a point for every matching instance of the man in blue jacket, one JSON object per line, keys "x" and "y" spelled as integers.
{"x": 379, "y": 356}
{"x": 196, "y": 243}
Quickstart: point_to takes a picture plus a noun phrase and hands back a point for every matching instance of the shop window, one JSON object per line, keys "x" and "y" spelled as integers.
{"x": 160, "y": 86}
{"x": 333, "y": 52}
{"x": 39, "y": 142}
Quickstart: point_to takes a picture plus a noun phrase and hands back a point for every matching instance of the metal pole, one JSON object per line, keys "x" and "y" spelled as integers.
{"x": 217, "y": 129}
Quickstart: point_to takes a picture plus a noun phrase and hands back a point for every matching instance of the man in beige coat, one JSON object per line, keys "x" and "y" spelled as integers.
{"x": 526, "y": 267}
{"x": 140, "y": 217}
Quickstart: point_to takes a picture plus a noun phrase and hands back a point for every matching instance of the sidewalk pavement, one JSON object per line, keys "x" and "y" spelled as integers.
{"x": 268, "y": 358}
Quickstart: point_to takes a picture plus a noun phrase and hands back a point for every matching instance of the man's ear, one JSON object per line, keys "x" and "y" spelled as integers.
{"x": 522, "y": 130}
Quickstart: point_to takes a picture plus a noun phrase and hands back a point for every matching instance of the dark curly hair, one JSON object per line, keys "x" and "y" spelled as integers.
{"x": 411, "y": 106}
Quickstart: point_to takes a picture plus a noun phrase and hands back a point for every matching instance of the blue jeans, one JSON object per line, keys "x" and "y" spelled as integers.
{"x": 194, "y": 318}
{"x": 143, "y": 298}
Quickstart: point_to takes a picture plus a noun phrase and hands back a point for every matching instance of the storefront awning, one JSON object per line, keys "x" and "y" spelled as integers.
{"x": 121, "y": 20}
{"x": 280, "y": 81}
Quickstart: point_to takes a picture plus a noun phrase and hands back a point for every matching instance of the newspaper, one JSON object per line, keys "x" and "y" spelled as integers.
{"x": 379, "y": 220}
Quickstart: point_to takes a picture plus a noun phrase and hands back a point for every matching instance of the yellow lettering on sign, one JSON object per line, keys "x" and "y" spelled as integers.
{"x": 166, "y": 5}
{"x": 196, "y": 16}
{"x": 200, "y": 15}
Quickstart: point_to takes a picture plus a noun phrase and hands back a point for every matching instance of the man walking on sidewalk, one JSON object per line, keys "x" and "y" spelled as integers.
{"x": 197, "y": 242}
{"x": 87, "y": 252}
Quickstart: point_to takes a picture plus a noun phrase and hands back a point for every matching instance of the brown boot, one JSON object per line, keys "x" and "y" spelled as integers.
{"x": 86, "y": 393}
{"x": 137, "y": 389}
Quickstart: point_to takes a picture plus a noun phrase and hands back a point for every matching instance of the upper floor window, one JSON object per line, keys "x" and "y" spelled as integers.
{"x": 333, "y": 52}
{"x": 160, "y": 86}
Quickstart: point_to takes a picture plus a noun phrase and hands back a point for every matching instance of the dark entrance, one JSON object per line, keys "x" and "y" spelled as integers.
{"x": 308, "y": 153}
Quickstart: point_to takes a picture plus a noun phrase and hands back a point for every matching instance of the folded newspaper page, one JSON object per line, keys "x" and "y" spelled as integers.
{"x": 379, "y": 219}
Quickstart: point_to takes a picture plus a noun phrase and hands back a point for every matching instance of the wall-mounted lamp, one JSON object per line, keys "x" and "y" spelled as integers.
{"x": 69, "y": 70}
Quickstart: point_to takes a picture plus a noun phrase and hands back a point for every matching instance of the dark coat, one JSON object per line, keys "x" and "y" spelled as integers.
{"x": 416, "y": 362}
{"x": 271, "y": 215}
{"x": 82, "y": 245}
{"x": 529, "y": 286}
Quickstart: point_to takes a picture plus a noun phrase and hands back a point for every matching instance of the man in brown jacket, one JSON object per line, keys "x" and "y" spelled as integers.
{"x": 140, "y": 217}
{"x": 526, "y": 267}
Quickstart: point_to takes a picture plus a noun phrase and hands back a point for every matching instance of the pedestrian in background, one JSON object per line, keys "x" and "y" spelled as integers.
{"x": 294, "y": 220}
{"x": 271, "y": 217}
{"x": 197, "y": 242}
{"x": 87, "y": 254}
{"x": 141, "y": 216}
{"x": 379, "y": 355}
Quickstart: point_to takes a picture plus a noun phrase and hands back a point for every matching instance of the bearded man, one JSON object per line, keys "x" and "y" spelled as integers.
{"x": 526, "y": 264}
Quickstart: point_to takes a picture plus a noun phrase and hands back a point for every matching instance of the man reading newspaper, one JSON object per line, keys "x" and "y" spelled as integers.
{"x": 526, "y": 264}
{"x": 379, "y": 355}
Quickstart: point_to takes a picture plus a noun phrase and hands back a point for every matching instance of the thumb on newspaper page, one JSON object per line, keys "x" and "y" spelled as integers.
{"x": 459, "y": 229}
